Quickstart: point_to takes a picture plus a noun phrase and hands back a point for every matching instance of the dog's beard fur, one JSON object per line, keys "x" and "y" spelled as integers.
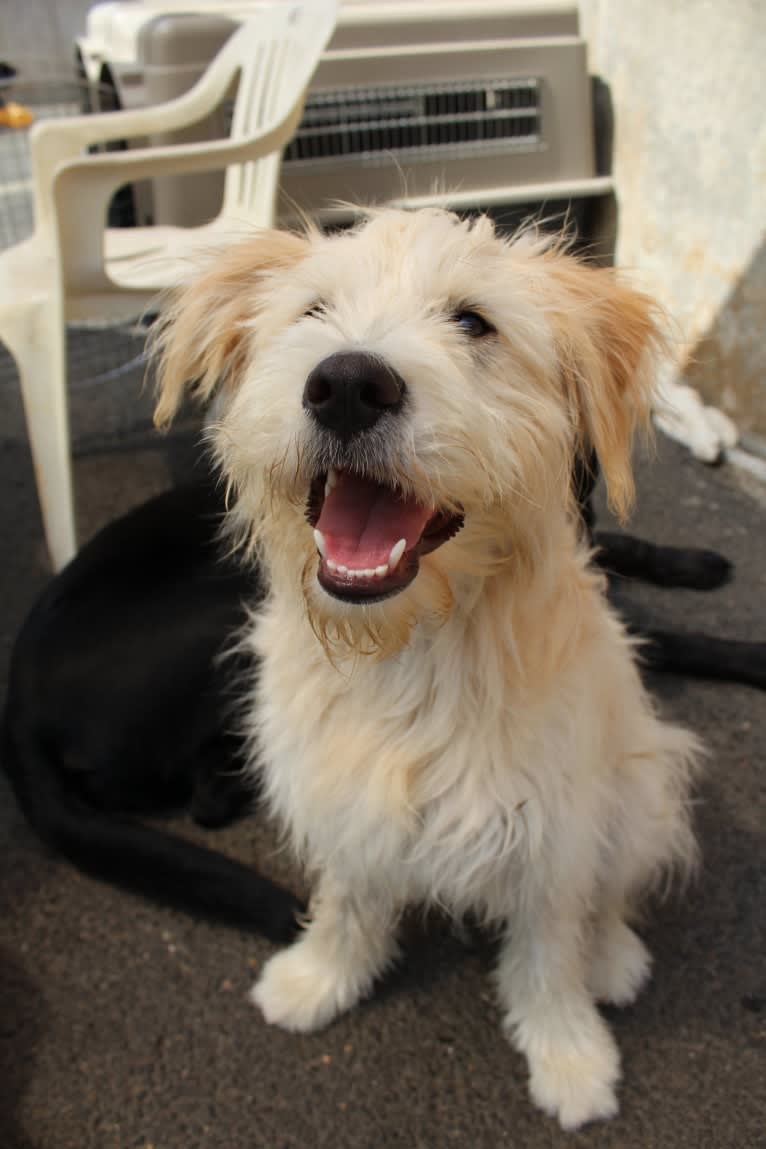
{"x": 480, "y": 738}
{"x": 380, "y": 630}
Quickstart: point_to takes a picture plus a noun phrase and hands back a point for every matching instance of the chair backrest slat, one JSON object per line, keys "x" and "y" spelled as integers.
{"x": 274, "y": 57}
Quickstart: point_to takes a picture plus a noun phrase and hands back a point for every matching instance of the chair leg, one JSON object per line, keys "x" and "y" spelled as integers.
{"x": 38, "y": 344}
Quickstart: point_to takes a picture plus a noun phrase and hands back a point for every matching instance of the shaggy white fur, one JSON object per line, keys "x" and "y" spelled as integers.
{"x": 480, "y": 737}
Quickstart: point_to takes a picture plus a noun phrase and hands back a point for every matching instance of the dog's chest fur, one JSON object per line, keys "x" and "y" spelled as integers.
{"x": 430, "y": 771}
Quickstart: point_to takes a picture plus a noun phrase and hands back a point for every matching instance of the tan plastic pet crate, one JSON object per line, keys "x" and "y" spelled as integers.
{"x": 427, "y": 101}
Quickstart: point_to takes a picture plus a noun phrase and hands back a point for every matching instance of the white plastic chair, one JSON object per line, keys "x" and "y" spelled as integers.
{"x": 74, "y": 268}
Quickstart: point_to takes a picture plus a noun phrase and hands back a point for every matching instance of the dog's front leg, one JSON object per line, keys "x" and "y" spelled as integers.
{"x": 574, "y": 1064}
{"x": 348, "y": 942}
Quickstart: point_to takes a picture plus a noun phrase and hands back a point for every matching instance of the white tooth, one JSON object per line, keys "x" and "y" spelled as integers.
{"x": 369, "y": 573}
{"x": 341, "y": 569}
{"x": 327, "y": 489}
{"x": 396, "y": 553}
{"x": 380, "y": 571}
{"x": 332, "y": 478}
{"x": 331, "y": 566}
{"x": 319, "y": 540}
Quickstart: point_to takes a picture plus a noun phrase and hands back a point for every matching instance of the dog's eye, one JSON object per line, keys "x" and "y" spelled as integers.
{"x": 316, "y": 311}
{"x": 472, "y": 324}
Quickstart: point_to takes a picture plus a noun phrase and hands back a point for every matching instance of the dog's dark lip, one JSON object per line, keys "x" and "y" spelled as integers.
{"x": 363, "y": 592}
{"x": 441, "y": 527}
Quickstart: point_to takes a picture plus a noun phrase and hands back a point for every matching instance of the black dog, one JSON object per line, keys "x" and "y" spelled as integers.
{"x": 119, "y": 706}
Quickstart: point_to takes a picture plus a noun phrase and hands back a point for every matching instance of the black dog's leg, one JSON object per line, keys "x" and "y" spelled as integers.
{"x": 631, "y": 557}
{"x": 689, "y": 567}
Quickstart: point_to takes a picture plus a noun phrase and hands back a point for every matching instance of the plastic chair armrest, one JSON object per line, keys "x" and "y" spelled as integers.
{"x": 52, "y": 142}
{"x": 83, "y": 187}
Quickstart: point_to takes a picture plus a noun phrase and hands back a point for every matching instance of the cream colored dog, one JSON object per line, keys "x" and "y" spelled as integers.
{"x": 447, "y": 710}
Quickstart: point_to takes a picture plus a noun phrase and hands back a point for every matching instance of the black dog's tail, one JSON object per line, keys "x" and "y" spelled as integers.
{"x": 159, "y": 866}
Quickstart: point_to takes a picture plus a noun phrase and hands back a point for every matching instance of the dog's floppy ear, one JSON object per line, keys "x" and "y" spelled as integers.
{"x": 201, "y": 338}
{"x": 608, "y": 337}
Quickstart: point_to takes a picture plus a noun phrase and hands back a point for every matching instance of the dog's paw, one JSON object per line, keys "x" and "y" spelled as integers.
{"x": 722, "y": 427}
{"x": 573, "y": 1076}
{"x": 298, "y": 992}
{"x": 621, "y": 967}
{"x": 574, "y": 1063}
{"x": 681, "y": 415}
{"x": 701, "y": 570}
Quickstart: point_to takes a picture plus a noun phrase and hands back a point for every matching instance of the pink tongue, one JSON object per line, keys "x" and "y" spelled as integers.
{"x": 361, "y": 521}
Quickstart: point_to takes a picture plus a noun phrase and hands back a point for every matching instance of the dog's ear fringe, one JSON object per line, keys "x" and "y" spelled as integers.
{"x": 609, "y": 339}
{"x": 199, "y": 344}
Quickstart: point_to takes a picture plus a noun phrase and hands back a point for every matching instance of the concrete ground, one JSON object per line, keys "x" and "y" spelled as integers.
{"x": 123, "y": 1026}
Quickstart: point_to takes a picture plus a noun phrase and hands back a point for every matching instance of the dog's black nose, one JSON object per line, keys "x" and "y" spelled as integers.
{"x": 349, "y": 391}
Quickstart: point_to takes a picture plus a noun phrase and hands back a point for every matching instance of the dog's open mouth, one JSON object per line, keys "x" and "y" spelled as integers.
{"x": 370, "y": 537}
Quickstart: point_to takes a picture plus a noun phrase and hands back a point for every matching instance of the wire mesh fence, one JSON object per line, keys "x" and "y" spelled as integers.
{"x": 97, "y": 353}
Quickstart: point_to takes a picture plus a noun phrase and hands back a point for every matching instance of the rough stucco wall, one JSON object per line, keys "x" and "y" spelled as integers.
{"x": 688, "y": 85}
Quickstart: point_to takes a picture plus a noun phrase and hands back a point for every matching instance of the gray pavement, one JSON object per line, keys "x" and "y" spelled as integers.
{"x": 123, "y": 1026}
